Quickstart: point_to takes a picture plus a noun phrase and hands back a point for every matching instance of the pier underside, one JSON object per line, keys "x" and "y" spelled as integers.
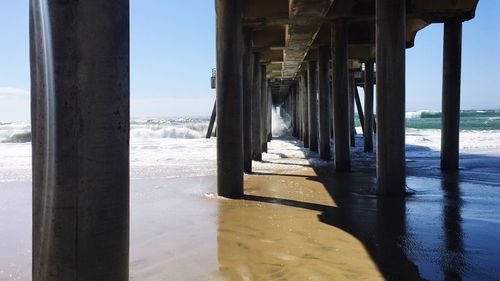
{"x": 313, "y": 56}
{"x": 344, "y": 217}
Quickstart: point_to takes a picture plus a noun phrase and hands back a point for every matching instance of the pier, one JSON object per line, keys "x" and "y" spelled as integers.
{"x": 300, "y": 45}
{"x": 307, "y": 57}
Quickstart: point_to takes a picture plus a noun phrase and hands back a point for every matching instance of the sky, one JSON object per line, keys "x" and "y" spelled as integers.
{"x": 173, "y": 52}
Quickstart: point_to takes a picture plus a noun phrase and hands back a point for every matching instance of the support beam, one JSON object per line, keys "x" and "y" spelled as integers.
{"x": 247, "y": 100}
{"x": 212, "y": 121}
{"x": 340, "y": 96}
{"x": 299, "y": 108}
{"x": 229, "y": 99}
{"x": 359, "y": 108}
{"x": 292, "y": 110}
{"x": 80, "y": 124}
{"x": 369, "y": 121}
{"x": 264, "y": 106}
{"x": 256, "y": 110}
{"x": 324, "y": 103}
{"x": 452, "y": 65}
{"x": 391, "y": 41}
{"x": 270, "y": 114}
{"x": 305, "y": 107}
{"x": 352, "y": 126}
{"x": 299, "y": 112}
{"x": 294, "y": 105}
{"x": 313, "y": 105}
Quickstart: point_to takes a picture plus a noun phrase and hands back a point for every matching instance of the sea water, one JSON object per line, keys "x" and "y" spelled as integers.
{"x": 176, "y": 146}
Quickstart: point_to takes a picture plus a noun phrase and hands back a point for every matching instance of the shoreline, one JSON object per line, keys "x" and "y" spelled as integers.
{"x": 295, "y": 222}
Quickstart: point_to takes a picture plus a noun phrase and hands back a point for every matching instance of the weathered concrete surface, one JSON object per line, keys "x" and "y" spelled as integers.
{"x": 264, "y": 108}
{"x": 248, "y": 63}
{"x": 256, "y": 109}
{"x": 391, "y": 48}
{"x": 368, "y": 128}
{"x": 313, "y": 105}
{"x": 340, "y": 97}
{"x": 324, "y": 103}
{"x": 286, "y": 30}
{"x": 229, "y": 99}
{"x": 80, "y": 122}
{"x": 305, "y": 108}
{"x": 452, "y": 67}
{"x": 352, "y": 128}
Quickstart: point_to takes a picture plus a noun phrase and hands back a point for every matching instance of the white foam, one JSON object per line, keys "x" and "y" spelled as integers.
{"x": 7, "y": 130}
{"x": 417, "y": 114}
{"x": 469, "y": 140}
{"x": 176, "y": 151}
{"x": 166, "y": 132}
{"x": 280, "y": 125}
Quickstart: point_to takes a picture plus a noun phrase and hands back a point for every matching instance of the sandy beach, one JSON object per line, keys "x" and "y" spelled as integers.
{"x": 299, "y": 220}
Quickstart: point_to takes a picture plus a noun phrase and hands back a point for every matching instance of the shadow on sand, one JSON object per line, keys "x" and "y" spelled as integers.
{"x": 381, "y": 223}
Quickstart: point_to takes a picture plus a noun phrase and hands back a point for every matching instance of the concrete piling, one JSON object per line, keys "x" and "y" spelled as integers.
{"x": 324, "y": 103}
{"x": 340, "y": 96}
{"x": 270, "y": 114}
{"x": 359, "y": 108}
{"x": 229, "y": 99}
{"x": 256, "y": 109}
{"x": 391, "y": 44}
{"x": 264, "y": 110}
{"x": 305, "y": 107}
{"x": 212, "y": 121}
{"x": 352, "y": 127}
{"x": 452, "y": 65}
{"x": 313, "y": 105}
{"x": 80, "y": 126}
{"x": 368, "y": 128}
{"x": 247, "y": 100}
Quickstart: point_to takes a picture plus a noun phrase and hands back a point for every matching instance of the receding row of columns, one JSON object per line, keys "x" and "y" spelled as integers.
{"x": 313, "y": 109}
{"x": 244, "y": 102}
{"x": 80, "y": 121}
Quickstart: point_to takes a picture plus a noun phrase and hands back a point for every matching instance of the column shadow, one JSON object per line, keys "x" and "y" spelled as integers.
{"x": 381, "y": 223}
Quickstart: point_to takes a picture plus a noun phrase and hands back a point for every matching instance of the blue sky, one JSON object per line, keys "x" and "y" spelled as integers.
{"x": 173, "y": 52}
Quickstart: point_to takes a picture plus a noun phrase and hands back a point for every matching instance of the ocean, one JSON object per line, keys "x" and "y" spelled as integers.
{"x": 176, "y": 146}
{"x": 479, "y": 120}
{"x": 196, "y": 127}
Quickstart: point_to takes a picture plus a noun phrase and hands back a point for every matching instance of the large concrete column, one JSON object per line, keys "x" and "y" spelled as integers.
{"x": 324, "y": 103}
{"x": 256, "y": 110}
{"x": 247, "y": 101}
{"x": 229, "y": 99}
{"x": 340, "y": 96}
{"x": 352, "y": 126}
{"x": 299, "y": 112}
{"x": 452, "y": 65}
{"x": 391, "y": 41}
{"x": 305, "y": 107}
{"x": 270, "y": 113}
{"x": 299, "y": 109}
{"x": 313, "y": 105}
{"x": 80, "y": 126}
{"x": 292, "y": 110}
{"x": 368, "y": 128}
{"x": 264, "y": 106}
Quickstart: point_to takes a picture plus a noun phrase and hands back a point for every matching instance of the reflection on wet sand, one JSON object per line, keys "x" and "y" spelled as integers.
{"x": 453, "y": 260}
{"x": 275, "y": 234}
{"x": 299, "y": 223}
{"x": 302, "y": 223}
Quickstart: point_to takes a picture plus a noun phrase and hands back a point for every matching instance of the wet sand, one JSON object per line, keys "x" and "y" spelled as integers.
{"x": 299, "y": 222}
